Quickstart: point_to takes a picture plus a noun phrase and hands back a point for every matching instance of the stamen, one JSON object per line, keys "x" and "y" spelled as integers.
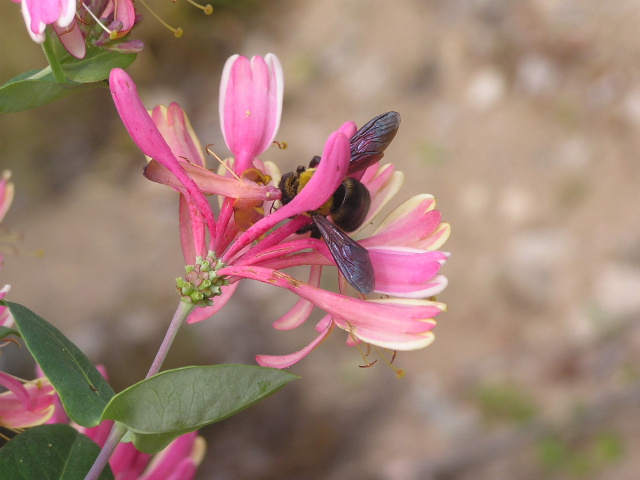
{"x": 362, "y": 354}
{"x": 207, "y": 9}
{"x": 211, "y": 152}
{"x": 177, "y": 32}
{"x": 110, "y": 32}
{"x": 399, "y": 371}
{"x": 281, "y": 145}
{"x": 5, "y": 341}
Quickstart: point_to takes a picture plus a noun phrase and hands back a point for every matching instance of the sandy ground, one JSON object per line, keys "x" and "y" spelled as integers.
{"x": 521, "y": 117}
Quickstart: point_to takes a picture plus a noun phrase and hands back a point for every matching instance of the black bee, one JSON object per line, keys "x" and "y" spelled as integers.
{"x": 349, "y": 204}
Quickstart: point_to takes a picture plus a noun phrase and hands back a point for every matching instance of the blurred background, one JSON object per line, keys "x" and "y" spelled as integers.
{"x": 521, "y": 117}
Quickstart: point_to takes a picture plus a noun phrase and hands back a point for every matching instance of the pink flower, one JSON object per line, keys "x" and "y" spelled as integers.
{"x": 250, "y": 106}
{"x": 40, "y": 13}
{"x": 25, "y": 404}
{"x": 76, "y": 28}
{"x": 403, "y": 250}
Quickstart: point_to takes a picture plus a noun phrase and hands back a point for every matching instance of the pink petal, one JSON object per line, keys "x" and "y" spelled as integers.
{"x": 250, "y": 105}
{"x": 125, "y": 12}
{"x": 127, "y": 462}
{"x": 176, "y": 129}
{"x": 203, "y": 313}
{"x": 330, "y": 173}
{"x": 211, "y": 183}
{"x": 25, "y": 405}
{"x": 178, "y": 460}
{"x": 405, "y": 266}
{"x": 284, "y": 361}
{"x": 6, "y": 319}
{"x": 192, "y": 231}
{"x": 428, "y": 289}
{"x": 72, "y": 39}
{"x": 40, "y": 13}
{"x": 382, "y": 187}
{"x": 302, "y": 309}
{"x": 7, "y": 192}
{"x": 140, "y": 126}
{"x": 409, "y": 225}
{"x": 395, "y": 323}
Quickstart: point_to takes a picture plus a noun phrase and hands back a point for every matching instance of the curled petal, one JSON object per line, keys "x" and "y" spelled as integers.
{"x": 25, "y": 405}
{"x": 383, "y": 184}
{"x": 400, "y": 324}
{"x": 72, "y": 39}
{"x": 414, "y": 224}
{"x": 176, "y": 129}
{"x": 284, "y": 361}
{"x": 203, "y": 313}
{"x": 211, "y": 183}
{"x": 144, "y": 132}
{"x": 251, "y": 94}
{"x": 302, "y": 309}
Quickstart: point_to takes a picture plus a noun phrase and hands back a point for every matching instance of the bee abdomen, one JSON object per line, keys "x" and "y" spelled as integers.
{"x": 350, "y": 204}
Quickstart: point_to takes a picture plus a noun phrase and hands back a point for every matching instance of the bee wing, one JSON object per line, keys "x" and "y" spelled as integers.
{"x": 369, "y": 143}
{"x": 351, "y": 258}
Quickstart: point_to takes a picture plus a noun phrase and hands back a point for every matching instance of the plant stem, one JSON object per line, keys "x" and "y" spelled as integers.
{"x": 48, "y": 47}
{"x": 182, "y": 312}
{"x": 118, "y": 430}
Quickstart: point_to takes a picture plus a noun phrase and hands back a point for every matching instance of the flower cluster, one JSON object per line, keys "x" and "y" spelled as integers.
{"x": 253, "y": 244}
{"x": 94, "y": 22}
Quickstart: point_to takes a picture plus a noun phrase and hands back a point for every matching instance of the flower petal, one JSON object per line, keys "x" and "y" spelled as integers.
{"x": 284, "y": 361}
{"x": 203, "y": 313}
{"x": 251, "y": 94}
{"x": 302, "y": 309}
{"x": 330, "y": 173}
{"x": 394, "y": 323}
{"x": 143, "y": 131}
{"x": 415, "y": 224}
{"x": 176, "y": 129}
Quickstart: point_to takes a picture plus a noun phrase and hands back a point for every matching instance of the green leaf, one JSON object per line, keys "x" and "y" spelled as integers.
{"x": 83, "y": 390}
{"x": 96, "y": 65}
{"x": 161, "y": 408}
{"x": 19, "y": 95}
{"x": 50, "y": 452}
{"x": 6, "y": 331}
{"x": 39, "y": 87}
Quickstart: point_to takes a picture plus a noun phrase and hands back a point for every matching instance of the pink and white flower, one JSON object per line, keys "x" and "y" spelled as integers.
{"x": 404, "y": 249}
{"x": 25, "y": 404}
{"x": 40, "y": 13}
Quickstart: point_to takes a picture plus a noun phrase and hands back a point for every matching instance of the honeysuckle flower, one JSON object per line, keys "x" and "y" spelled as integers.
{"x": 95, "y": 22}
{"x": 6, "y": 319}
{"x": 25, "y": 404}
{"x": 40, "y": 13}
{"x": 406, "y": 269}
{"x": 250, "y": 106}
